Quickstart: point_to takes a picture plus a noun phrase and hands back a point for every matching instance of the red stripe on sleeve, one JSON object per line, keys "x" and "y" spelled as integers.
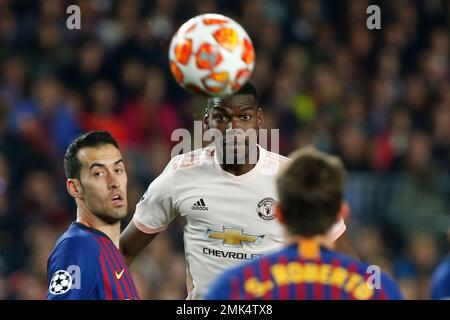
{"x": 352, "y": 268}
{"x": 248, "y": 273}
{"x": 318, "y": 290}
{"x": 106, "y": 283}
{"x": 336, "y": 291}
{"x": 130, "y": 281}
{"x": 284, "y": 289}
{"x": 300, "y": 288}
{"x": 265, "y": 275}
{"x": 235, "y": 294}
{"x": 109, "y": 264}
{"x": 132, "y": 285}
{"x": 117, "y": 270}
{"x": 118, "y": 260}
{"x": 381, "y": 294}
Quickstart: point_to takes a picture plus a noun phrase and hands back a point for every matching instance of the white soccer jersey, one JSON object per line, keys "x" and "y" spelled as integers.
{"x": 230, "y": 219}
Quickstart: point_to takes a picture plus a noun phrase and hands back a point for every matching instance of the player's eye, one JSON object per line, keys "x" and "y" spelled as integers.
{"x": 118, "y": 170}
{"x": 221, "y": 117}
{"x": 98, "y": 174}
{"x": 245, "y": 117}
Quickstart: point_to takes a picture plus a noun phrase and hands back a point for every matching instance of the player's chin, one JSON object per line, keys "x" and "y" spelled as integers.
{"x": 118, "y": 213}
{"x": 234, "y": 152}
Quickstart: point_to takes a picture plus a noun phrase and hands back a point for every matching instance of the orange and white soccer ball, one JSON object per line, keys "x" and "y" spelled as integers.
{"x": 211, "y": 55}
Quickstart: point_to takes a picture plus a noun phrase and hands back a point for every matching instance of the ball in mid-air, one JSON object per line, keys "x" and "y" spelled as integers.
{"x": 211, "y": 55}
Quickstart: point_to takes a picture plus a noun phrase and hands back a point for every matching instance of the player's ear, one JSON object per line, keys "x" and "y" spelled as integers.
{"x": 260, "y": 118}
{"x": 206, "y": 121}
{"x": 279, "y": 214}
{"x": 344, "y": 211}
{"x": 74, "y": 188}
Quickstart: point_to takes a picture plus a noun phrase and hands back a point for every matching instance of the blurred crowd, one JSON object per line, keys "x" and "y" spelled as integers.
{"x": 380, "y": 99}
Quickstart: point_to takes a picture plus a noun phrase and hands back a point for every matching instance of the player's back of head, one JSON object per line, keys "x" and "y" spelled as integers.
{"x": 310, "y": 189}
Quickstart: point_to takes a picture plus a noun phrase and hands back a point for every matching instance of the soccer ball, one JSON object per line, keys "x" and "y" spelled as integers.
{"x": 211, "y": 55}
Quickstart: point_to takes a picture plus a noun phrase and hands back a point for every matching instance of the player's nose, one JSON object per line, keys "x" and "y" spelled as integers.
{"x": 114, "y": 181}
{"x": 234, "y": 123}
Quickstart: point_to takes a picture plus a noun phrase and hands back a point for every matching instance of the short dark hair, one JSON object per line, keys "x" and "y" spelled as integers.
{"x": 310, "y": 190}
{"x": 72, "y": 164}
{"x": 248, "y": 88}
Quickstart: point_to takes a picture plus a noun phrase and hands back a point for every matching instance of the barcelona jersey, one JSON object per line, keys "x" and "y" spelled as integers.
{"x": 440, "y": 282}
{"x": 304, "y": 271}
{"x": 85, "y": 264}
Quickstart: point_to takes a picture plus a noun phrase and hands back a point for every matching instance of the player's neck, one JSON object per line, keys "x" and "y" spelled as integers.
{"x": 240, "y": 169}
{"x": 295, "y": 239}
{"x": 92, "y": 221}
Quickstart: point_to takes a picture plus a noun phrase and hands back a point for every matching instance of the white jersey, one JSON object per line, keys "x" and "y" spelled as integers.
{"x": 230, "y": 219}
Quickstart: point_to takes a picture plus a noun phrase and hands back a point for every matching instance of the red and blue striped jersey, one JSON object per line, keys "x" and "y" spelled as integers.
{"x": 440, "y": 282}
{"x": 304, "y": 271}
{"x": 85, "y": 264}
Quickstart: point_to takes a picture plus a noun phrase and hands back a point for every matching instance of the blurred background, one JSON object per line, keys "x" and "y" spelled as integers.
{"x": 379, "y": 99}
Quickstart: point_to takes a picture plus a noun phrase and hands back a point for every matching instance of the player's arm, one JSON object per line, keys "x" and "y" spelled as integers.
{"x": 390, "y": 287}
{"x": 133, "y": 241}
{"x": 153, "y": 214}
{"x": 440, "y": 282}
{"x": 72, "y": 271}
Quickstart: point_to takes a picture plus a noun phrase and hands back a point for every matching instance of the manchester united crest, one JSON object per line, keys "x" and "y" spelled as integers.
{"x": 266, "y": 209}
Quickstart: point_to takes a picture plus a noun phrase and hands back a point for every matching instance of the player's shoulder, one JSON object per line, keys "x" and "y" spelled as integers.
{"x": 440, "y": 280}
{"x": 350, "y": 262}
{"x": 76, "y": 240}
{"x": 443, "y": 270}
{"x": 275, "y": 156}
{"x": 387, "y": 288}
{"x": 390, "y": 287}
{"x": 195, "y": 158}
{"x": 270, "y": 258}
{"x": 273, "y": 159}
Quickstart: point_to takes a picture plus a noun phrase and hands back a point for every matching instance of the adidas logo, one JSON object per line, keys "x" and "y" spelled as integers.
{"x": 199, "y": 205}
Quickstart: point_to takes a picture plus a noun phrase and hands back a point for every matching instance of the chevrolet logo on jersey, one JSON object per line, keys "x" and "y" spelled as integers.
{"x": 233, "y": 237}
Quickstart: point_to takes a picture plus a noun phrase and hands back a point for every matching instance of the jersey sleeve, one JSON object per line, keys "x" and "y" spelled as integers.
{"x": 440, "y": 282}
{"x": 390, "y": 288}
{"x": 72, "y": 270}
{"x": 156, "y": 210}
{"x": 220, "y": 288}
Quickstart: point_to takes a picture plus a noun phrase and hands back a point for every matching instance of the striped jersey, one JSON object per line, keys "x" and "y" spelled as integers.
{"x": 440, "y": 282}
{"x": 304, "y": 271}
{"x": 86, "y": 265}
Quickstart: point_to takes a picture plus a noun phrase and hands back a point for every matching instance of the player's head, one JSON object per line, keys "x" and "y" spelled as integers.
{"x": 238, "y": 111}
{"x": 96, "y": 175}
{"x": 310, "y": 190}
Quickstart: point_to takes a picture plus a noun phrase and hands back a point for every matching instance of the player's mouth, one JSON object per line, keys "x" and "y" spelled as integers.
{"x": 234, "y": 141}
{"x": 118, "y": 200}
